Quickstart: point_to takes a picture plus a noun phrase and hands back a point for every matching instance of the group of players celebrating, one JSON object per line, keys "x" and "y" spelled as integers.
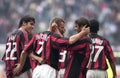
{"x": 51, "y": 55}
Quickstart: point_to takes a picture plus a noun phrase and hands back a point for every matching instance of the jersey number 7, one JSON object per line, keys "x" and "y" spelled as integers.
{"x": 41, "y": 47}
{"x": 98, "y": 49}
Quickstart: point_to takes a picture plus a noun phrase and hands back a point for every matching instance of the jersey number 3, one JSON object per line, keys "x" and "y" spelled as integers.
{"x": 63, "y": 54}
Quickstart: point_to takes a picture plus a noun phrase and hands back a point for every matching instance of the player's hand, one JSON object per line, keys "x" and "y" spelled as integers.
{"x": 86, "y": 30}
{"x": 54, "y": 27}
{"x": 41, "y": 60}
{"x": 17, "y": 69}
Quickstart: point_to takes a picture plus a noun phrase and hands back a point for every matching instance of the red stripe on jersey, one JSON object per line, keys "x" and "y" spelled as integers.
{"x": 87, "y": 56}
{"x": 52, "y": 52}
{"x": 68, "y": 68}
{"x": 29, "y": 47}
{"x": 36, "y": 46}
{"x": 26, "y": 36}
{"x": 77, "y": 66}
{"x": 59, "y": 40}
{"x": 14, "y": 46}
{"x": 102, "y": 49}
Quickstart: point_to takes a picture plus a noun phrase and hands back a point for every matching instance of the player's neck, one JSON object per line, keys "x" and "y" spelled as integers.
{"x": 24, "y": 29}
{"x": 93, "y": 33}
{"x": 58, "y": 32}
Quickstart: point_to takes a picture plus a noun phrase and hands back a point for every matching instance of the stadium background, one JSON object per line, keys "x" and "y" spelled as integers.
{"x": 106, "y": 11}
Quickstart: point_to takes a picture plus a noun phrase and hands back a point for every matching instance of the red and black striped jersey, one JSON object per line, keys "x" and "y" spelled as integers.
{"x": 50, "y": 51}
{"x": 14, "y": 46}
{"x": 64, "y": 58}
{"x": 101, "y": 51}
{"x": 80, "y": 56}
{"x": 36, "y": 46}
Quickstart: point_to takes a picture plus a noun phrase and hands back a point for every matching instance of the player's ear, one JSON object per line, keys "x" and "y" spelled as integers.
{"x": 24, "y": 23}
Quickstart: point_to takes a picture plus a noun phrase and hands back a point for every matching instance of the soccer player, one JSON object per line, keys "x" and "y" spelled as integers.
{"x": 35, "y": 46}
{"x": 14, "y": 46}
{"x": 80, "y": 53}
{"x": 101, "y": 51}
{"x": 52, "y": 55}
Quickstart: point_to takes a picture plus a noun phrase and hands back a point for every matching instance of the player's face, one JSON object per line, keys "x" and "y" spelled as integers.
{"x": 77, "y": 28}
{"x": 30, "y": 26}
{"x": 62, "y": 28}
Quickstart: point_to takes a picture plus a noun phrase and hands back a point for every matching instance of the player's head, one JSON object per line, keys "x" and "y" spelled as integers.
{"x": 60, "y": 23}
{"x": 27, "y": 22}
{"x": 26, "y": 19}
{"x": 80, "y": 23}
{"x": 94, "y": 26}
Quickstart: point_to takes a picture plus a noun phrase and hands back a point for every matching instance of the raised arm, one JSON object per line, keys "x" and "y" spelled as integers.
{"x": 76, "y": 37}
{"x": 61, "y": 42}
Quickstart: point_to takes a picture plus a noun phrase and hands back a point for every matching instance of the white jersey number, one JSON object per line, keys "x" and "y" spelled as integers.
{"x": 11, "y": 50}
{"x": 99, "y": 50}
{"x": 63, "y": 54}
{"x": 40, "y": 49}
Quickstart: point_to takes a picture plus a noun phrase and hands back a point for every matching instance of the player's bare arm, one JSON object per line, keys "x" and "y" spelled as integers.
{"x": 74, "y": 38}
{"x": 39, "y": 59}
{"x": 21, "y": 64}
{"x": 22, "y": 61}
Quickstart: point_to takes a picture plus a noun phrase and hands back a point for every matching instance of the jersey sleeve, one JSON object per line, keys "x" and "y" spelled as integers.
{"x": 59, "y": 42}
{"x": 109, "y": 52}
{"x": 29, "y": 47}
{"x": 80, "y": 44}
{"x": 3, "y": 58}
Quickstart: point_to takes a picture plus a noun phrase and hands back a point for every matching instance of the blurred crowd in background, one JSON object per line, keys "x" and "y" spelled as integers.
{"x": 106, "y": 11}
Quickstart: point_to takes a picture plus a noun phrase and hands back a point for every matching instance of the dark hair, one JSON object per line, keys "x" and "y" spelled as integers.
{"x": 94, "y": 26}
{"x": 82, "y": 21}
{"x": 57, "y": 20}
{"x": 26, "y": 19}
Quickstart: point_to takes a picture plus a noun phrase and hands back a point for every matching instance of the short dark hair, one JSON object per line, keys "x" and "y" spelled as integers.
{"x": 94, "y": 26}
{"x": 26, "y": 19}
{"x": 57, "y": 20}
{"x": 82, "y": 21}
